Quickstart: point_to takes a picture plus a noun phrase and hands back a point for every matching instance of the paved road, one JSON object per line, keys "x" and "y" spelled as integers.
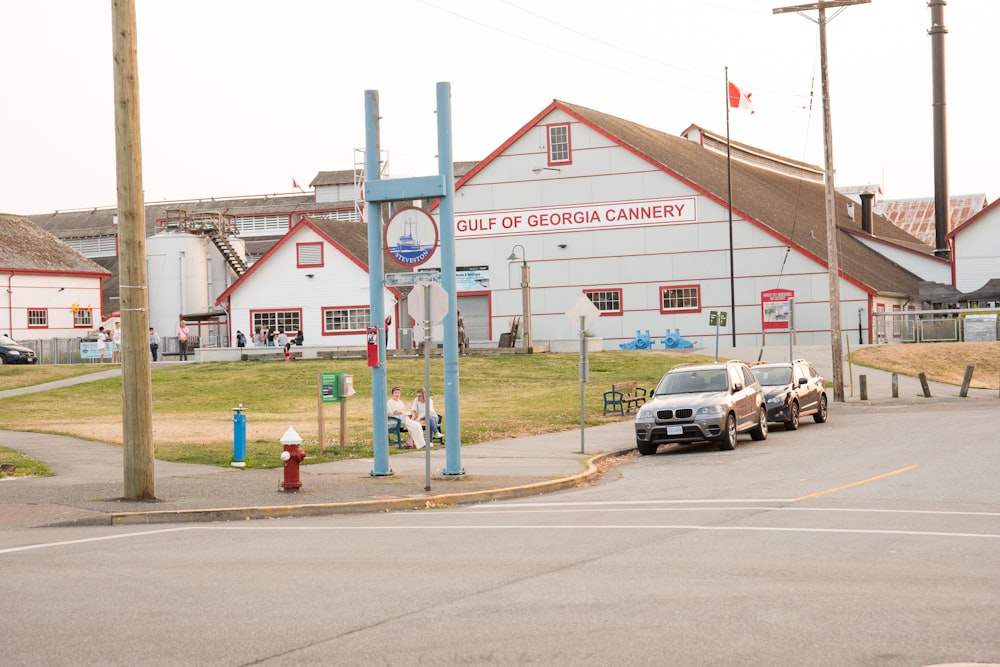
{"x": 869, "y": 540}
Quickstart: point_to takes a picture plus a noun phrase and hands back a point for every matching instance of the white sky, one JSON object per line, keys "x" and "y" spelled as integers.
{"x": 238, "y": 97}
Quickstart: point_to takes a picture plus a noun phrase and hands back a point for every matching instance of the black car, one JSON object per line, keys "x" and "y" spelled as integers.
{"x": 792, "y": 391}
{"x": 12, "y": 353}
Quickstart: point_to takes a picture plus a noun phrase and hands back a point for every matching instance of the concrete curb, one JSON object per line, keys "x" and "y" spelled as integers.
{"x": 352, "y": 507}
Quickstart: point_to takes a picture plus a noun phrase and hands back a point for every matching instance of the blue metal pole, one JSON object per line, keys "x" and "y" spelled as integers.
{"x": 373, "y": 213}
{"x": 449, "y": 281}
{"x": 239, "y": 437}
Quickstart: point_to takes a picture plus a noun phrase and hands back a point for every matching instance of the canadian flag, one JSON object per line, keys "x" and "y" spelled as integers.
{"x": 739, "y": 98}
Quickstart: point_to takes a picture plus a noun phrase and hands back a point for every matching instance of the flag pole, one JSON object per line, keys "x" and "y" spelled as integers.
{"x": 729, "y": 203}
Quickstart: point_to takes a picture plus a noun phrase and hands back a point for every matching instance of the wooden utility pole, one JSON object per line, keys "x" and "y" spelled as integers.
{"x": 137, "y": 403}
{"x": 832, "y": 248}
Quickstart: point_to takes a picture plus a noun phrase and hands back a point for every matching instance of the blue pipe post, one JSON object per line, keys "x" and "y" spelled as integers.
{"x": 239, "y": 437}
{"x": 452, "y": 415}
{"x": 376, "y": 269}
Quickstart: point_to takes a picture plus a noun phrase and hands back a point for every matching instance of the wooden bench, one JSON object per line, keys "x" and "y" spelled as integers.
{"x": 624, "y": 397}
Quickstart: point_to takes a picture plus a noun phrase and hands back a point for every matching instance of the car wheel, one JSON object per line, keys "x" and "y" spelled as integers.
{"x": 727, "y": 441}
{"x": 646, "y": 448}
{"x": 793, "y": 417}
{"x": 760, "y": 433}
{"x": 3, "y": 360}
{"x": 821, "y": 414}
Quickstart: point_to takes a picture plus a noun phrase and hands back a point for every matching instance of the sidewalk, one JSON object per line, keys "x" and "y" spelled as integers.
{"x": 88, "y": 486}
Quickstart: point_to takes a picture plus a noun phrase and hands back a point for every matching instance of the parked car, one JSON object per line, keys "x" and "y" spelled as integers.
{"x": 12, "y": 353}
{"x": 698, "y": 402}
{"x": 792, "y": 390}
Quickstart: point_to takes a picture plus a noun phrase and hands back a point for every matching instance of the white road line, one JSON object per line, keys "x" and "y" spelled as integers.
{"x": 47, "y": 545}
{"x": 555, "y": 509}
{"x": 756, "y": 529}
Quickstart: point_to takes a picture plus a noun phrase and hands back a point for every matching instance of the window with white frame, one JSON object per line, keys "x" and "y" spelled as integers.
{"x": 309, "y": 254}
{"x": 680, "y": 299}
{"x": 346, "y": 320}
{"x": 38, "y": 317}
{"x": 608, "y": 301}
{"x": 559, "y": 147}
{"x": 277, "y": 320}
{"x": 83, "y": 317}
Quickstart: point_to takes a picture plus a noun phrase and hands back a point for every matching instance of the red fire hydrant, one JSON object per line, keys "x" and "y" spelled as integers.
{"x": 292, "y": 453}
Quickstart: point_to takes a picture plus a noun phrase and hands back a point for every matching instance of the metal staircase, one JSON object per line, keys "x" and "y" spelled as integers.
{"x": 217, "y": 226}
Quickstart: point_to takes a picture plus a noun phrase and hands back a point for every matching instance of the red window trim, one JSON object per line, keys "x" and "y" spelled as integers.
{"x": 84, "y": 326}
{"x": 322, "y": 256}
{"x": 569, "y": 145}
{"x": 621, "y": 301}
{"x": 674, "y": 311}
{"x": 27, "y": 313}
{"x": 346, "y": 332}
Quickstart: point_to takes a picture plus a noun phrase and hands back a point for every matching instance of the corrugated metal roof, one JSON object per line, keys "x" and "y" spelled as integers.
{"x": 916, "y": 216}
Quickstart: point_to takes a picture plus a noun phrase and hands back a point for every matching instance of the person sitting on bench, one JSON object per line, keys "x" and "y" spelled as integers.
{"x": 426, "y": 417}
{"x": 396, "y": 408}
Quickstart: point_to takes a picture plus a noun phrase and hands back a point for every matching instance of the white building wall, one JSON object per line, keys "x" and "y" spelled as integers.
{"x": 56, "y": 294}
{"x": 925, "y": 266}
{"x": 639, "y": 257}
{"x": 279, "y": 284}
{"x": 977, "y": 252}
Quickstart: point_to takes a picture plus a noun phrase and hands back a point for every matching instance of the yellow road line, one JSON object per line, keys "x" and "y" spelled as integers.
{"x": 853, "y": 484}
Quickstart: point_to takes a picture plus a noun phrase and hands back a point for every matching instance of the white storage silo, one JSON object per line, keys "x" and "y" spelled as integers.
{"x": 177, "y": 271}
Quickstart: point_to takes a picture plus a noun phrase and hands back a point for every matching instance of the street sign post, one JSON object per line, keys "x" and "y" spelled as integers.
{"x": 583, "y": 313}
{"x": 428, "y": 304}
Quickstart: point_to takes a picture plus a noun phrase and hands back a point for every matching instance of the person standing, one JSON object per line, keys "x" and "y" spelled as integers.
{"x": 182, "y": 339}
{"x": 396, "y": 408}
{"x": 116, "y": 341}
{"x": 462, "y": 348}
{"x": 241, "y": 340}
{"x": 300, "y": 338}
{"x": 102, "y": 343}
{"x": 154, "y": 343}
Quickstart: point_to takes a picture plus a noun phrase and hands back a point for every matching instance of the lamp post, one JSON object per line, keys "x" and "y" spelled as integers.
{"x": 525, "y": 294}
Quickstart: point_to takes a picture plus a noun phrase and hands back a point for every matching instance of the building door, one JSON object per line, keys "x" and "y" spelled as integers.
{"x": 476, "y": 314}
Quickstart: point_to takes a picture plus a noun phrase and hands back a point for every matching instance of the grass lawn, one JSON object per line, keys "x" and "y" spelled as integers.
{"x": 500, "y": 397}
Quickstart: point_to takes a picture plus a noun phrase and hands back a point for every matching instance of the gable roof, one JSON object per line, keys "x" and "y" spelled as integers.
{"x": 916, "y": 215}
{"x": 348, "y": 236}
{"x": 979, "y": 215}
{"x": 26, "y": 247}
{"x": 793, "y": 209}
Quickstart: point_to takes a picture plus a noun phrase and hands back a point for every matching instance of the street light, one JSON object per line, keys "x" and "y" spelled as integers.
{"x": 525, "y": 293}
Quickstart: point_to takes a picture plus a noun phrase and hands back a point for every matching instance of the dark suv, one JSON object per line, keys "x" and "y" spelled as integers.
{"x": 697, "y": 402}
{"x": 12, "y": 353}
{"x": 792, "y": 391}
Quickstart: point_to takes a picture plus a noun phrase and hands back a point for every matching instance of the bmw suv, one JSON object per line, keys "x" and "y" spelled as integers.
{"x": 699, "y": 402}
{"x": 792, "y": 391}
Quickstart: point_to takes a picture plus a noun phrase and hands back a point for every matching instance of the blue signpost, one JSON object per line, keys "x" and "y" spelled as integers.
{"x": 239, "y": 437}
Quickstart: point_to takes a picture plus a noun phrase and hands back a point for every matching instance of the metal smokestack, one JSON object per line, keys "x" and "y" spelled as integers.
{"x": 942, "y": 204}
{"x": 866, "y": 211}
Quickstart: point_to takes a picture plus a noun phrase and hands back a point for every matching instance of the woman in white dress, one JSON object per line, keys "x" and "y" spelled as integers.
{"x": 396, "y": 408}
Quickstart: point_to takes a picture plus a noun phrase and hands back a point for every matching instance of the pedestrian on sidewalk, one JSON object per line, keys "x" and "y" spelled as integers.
{"x": 154, "y": 343}
{"x": 116, "y": 341}
{"x": 182, "y": 339}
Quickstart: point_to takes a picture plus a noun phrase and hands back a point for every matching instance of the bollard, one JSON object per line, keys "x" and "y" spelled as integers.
{"x": 923, "y": 384}
{"x": 863, "y": 386}
{"x": 966, "y": 381}
{"x": 239, "y": 438}
{"x": 895, "y": 385}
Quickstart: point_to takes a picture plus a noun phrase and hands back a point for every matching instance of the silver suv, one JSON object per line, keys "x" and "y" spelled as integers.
{"x": 697, "y": 402}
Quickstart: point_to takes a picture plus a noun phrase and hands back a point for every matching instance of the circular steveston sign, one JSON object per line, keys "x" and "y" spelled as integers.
{"x": 411, "y": 236}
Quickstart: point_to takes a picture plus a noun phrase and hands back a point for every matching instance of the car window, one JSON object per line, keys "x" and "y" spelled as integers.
{"x": 773, "y": 376}
{"x": 748, "y": 378}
